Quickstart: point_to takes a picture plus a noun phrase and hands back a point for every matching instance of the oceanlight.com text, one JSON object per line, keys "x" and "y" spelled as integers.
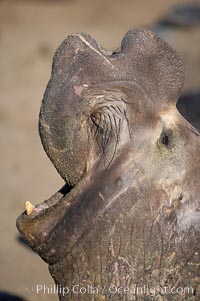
{"x": 109, "y": 290}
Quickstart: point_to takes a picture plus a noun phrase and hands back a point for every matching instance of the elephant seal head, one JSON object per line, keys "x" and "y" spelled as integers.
{"x": 129, "y": 209}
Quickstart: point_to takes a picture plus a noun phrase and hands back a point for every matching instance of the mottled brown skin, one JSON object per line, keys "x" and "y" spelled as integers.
{"x": 129, "y": 214}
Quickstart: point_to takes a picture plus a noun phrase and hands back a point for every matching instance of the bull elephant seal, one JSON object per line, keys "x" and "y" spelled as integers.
{"x": 126, "y": 226}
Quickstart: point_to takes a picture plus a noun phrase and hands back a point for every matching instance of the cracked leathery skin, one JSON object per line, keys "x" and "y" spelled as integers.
{"x": 127, "y": 221}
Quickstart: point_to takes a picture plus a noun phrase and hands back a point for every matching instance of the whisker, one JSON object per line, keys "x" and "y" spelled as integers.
{"x": 116, "y": 144}
{"x": 106, "y": 127}
{"x": 127, "y": 121}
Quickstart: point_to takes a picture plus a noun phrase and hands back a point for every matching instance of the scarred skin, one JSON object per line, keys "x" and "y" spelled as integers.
{"x": 129, "y": 214}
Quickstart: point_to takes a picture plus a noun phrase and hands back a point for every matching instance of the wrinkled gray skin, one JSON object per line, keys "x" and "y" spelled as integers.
{"x": 129, "y": 214}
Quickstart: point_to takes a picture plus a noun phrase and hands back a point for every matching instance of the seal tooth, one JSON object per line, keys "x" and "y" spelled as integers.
{"x": 29, "y": 207}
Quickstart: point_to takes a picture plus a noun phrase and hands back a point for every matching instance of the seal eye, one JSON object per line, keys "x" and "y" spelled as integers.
{"x": 166, "y": 138}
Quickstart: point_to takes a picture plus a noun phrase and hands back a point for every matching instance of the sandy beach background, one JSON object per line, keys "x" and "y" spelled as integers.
{"x": 30, "y": 31}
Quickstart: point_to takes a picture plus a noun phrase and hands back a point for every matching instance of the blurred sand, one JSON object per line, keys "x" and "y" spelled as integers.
{"x": 30, "y": 31}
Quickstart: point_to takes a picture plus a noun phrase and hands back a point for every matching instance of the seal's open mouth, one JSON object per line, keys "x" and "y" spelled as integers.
{"x": 36, "y": 223}
{"x": 33, "y": 211}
